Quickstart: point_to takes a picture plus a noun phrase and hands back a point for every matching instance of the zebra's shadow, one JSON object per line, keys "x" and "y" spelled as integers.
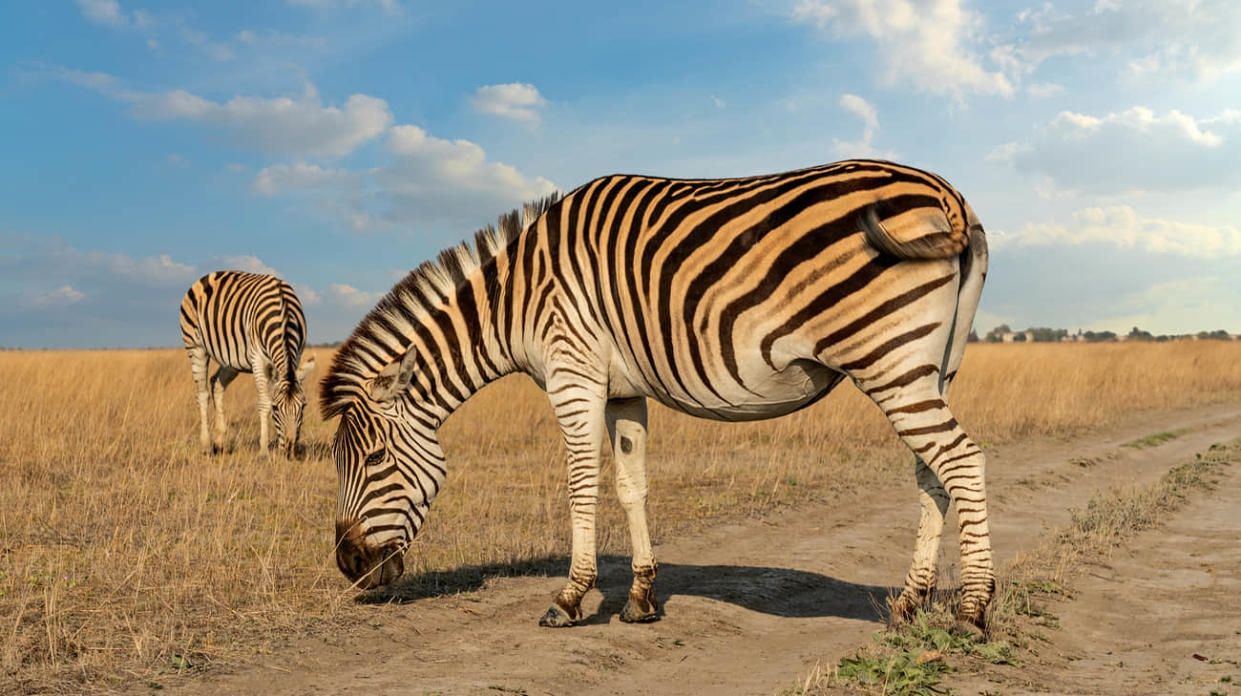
{"x": 786, "y": 592}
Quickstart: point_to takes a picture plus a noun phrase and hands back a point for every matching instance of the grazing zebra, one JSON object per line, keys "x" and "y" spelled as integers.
{"x": 247, "y": 323}
{"x": 730, "y": 299}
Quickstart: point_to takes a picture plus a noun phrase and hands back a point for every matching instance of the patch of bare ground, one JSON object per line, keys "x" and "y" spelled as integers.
{"x": 1139, "y": 594}
{"x": 1136, "y": 594}
{"x": 747, "y": 604}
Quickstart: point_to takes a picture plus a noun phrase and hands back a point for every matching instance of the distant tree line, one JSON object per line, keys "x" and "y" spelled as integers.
{"x": 1045, "y": 334}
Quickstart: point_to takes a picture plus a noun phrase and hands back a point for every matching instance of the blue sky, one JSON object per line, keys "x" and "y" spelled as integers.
{"x": 340, "y": 143}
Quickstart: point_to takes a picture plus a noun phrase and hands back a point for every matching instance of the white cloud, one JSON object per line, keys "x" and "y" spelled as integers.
{"x": 1042, "y": 90}
{"x": 518, "y": 101}
{"x": 213, "y": 49}
{"x": 390, "y": 6}
{"x": 62, "y": 296}
{"x": 439, "y": 178}
{"x": 353, "y": 297}
{"x": 932, "y": 45}
{"x": 51, "y": 260}
{"x": 303, "y": 126}
{"x": 870, "y": 128}
{"x": 295, "y": 126}
{"x": 243, "y": 262}
{"x": 280, "y": 178}
{"x": 719, "y": 103}
{"x": 111, "y": 14}
{"x": 1133, "y": 150}
{"x": 1184, "y": 305}
{"x": 309, "y": 296}
{"x": 1156, "y": 37}
{"x": 105, "y": 12}
{"x": 1121, "y": 226}
{"x": 108, "y": 299}
{"x": 864, "y": 110}
{"x": 424, "y": 178}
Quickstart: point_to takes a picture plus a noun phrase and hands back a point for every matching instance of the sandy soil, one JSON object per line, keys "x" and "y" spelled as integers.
{"x": 1160, "y": 615}
{"x": 751, "y": 606}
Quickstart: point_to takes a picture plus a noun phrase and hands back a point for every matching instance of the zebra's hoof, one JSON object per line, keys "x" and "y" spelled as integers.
{"x": 972, "y": 625}
{"x": 634, "y": 613}
{"x": 902, "y": 611}
{"x": 556, "y": 618}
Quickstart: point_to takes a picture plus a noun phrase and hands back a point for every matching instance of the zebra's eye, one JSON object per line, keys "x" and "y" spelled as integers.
{"x": 374, "y": 458}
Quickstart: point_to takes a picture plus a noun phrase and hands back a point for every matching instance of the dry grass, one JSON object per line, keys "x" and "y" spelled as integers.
{"x": 123, "y": 552}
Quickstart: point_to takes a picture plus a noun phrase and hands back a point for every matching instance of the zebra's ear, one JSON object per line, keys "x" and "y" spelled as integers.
{"x": 393, "y": 379}
{"x": 307, "y": 366}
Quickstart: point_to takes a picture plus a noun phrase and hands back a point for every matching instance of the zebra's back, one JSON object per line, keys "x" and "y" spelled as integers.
{"x": 235, "y": 316}
{"x": 726, "y": 298}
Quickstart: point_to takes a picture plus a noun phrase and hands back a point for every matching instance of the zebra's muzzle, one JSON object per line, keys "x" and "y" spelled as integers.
{"x": 289, "y": 448}
{"x": 366, "y": 565}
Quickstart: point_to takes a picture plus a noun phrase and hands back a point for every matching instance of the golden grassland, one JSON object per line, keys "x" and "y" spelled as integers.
{"x": 124, "y": 552}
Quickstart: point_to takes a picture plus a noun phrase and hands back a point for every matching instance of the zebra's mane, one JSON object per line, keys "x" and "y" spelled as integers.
{"x": 384, "y": 334}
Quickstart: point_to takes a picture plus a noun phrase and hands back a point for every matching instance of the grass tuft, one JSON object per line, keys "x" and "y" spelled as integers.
{"x": 1156, "y": 439}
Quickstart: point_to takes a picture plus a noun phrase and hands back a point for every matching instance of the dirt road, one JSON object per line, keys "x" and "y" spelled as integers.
{"x": 750, "y": 606}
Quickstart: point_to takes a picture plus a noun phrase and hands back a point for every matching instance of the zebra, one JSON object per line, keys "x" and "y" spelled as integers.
{"x": 729, "y": 299}
{"x": 247, "y": 322}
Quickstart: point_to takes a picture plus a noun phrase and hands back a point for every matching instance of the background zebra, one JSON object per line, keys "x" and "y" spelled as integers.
{"x": 730, "y": 299}
{"x": 247, "y": 322}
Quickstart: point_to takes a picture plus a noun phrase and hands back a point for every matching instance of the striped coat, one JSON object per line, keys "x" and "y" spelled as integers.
{"x": 729, "y": 299}
{"x": 247, "y": 322}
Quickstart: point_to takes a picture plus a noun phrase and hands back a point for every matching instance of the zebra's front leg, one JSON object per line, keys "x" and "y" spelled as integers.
{"x": 262, "y": 385}
{"x": 219, "y": 382}
{"x": 920, "y": 581}
{"x": 626, "y": 419}
{"x": 579, "y": 408}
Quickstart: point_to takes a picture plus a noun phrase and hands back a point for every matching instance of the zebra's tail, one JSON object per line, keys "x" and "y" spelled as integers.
{"x": 919, "y": 233}
{"x": 974, "y": 263}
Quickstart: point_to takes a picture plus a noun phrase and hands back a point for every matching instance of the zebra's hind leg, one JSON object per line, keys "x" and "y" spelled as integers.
{"x": 198, "y": 368}
{"x": 921, "y": 418}
{"x": 579, "y": 406}
{"x": 626, "y": 421}
{"x": 920, "y": 581}
{"x": 219, "y": 382}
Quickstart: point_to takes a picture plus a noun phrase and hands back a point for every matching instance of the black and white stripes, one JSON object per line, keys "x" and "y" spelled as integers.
{"x": 247, "y": 322}
{"x": 730, "y": 299}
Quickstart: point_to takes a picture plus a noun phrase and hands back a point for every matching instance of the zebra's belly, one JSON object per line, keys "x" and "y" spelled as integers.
{"x": 240, "y": 363}
{"x": 781, "y": 392}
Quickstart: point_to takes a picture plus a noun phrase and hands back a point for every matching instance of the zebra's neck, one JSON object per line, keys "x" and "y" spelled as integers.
{"x": 460, "y": 339}
{"x": 460, "y": 319}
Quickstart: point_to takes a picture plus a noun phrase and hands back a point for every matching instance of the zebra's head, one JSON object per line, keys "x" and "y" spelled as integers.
{"x": 287, "y": 403}
{"x": 390, "y": 466}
